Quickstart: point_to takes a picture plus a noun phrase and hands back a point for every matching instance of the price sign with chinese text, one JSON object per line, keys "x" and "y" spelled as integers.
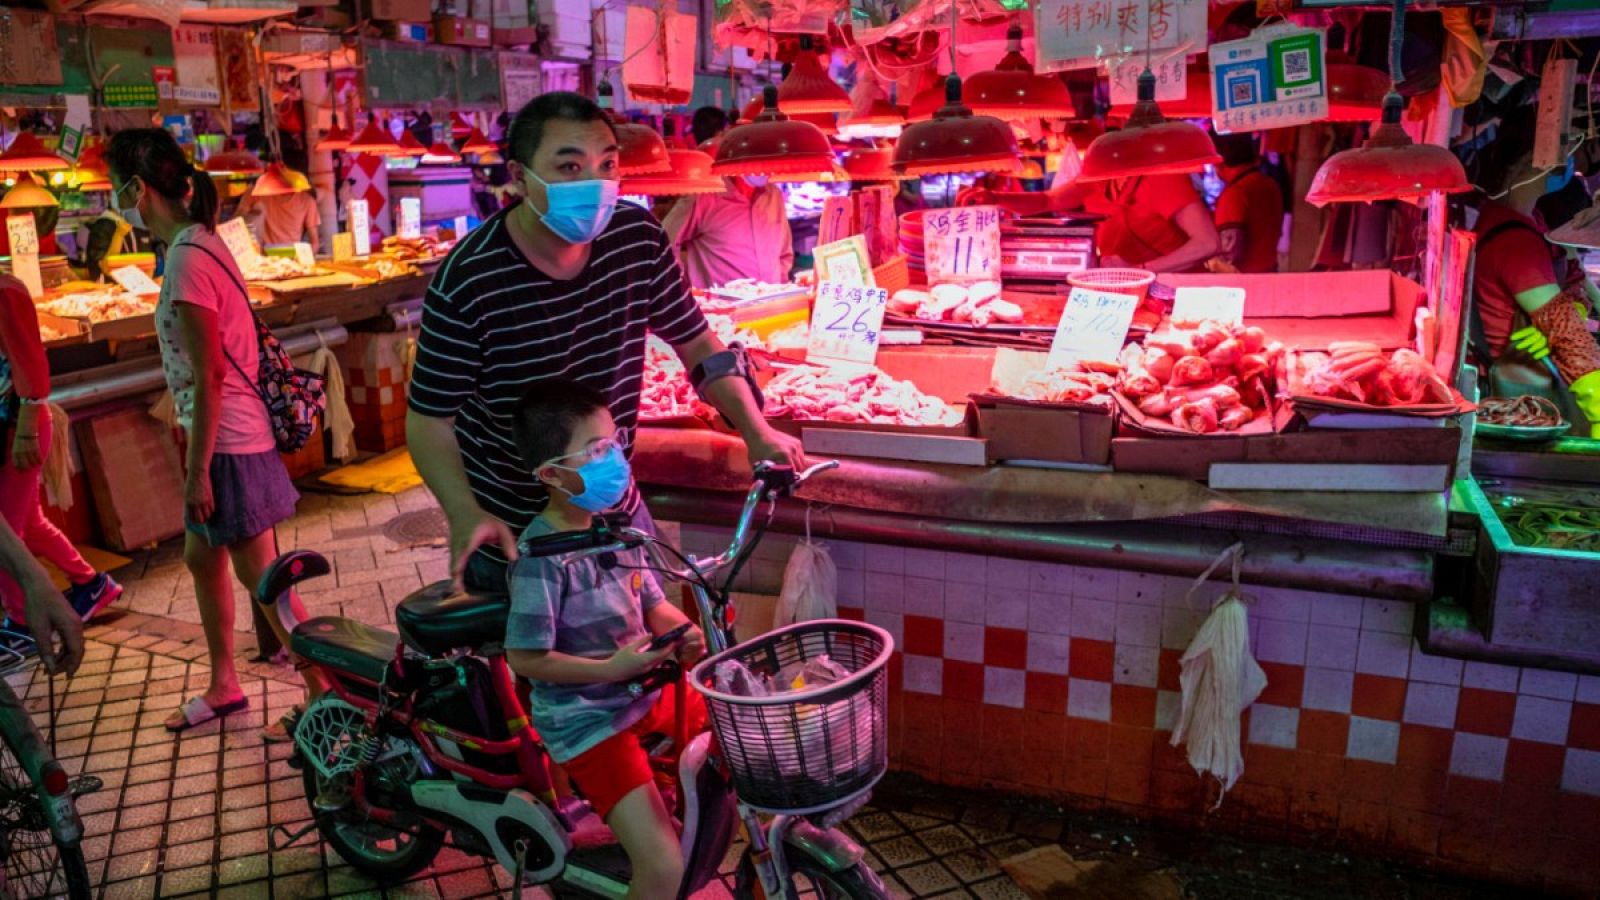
{"x": 1172, "y": 79}
{"x": 1272, "y": 79}
{"x": 361, "y": 227}
{"x": 1220, "y": 304}
{"x": 962, "y": 244}
{"x": 24, "y": 238}
{"x": 135, "y": 281}
{"x": 410, "y": 217}
{"x": 344, "y": 246}
{"x": 846, "y": 323}
{"x": 1078, "y": 34}
{"x": 236, "y": 235}
{"x": 1094, "y": 325}
{"x": 303, "y": 254}
{"x": 844, "y": 261}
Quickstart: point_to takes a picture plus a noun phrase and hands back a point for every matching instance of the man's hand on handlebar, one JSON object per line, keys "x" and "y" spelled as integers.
{"x": 472, "y": 530}
{"x": 636, "y": 659}
{"x": 773, "y": 446}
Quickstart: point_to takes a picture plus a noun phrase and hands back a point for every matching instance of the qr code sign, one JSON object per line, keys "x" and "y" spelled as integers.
{"x": 1296, "y": 66}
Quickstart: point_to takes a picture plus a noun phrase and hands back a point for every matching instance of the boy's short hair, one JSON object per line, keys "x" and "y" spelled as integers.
{"x": 527, "y": 129}
{"x": 547, "y": 414}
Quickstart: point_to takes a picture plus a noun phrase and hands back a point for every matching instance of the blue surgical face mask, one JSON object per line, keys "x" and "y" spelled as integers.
{"x": 131, "y": 215}
{"x": 605, "y": 479}
{"x": 756, "y": 181}
{"x": 577, "y": 210}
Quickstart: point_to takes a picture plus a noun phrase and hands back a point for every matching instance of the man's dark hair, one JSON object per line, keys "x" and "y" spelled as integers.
{"x": 527, "y": 129}
{"x": 1238, "y": 149}
{"x": 547, "y": 414}
{"x": 708, "y": 122}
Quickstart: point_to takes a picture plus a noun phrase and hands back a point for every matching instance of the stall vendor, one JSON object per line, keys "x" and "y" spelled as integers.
{"x": 1525, "y": 309}
{"x": 1155, "y": 222}
{"x": 281, "y": 209}
{"x": 742, "y": 232}
{"x": 1250, "y": 208}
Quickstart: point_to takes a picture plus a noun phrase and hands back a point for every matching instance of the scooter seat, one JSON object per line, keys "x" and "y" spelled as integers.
{"x": 438, "y": 619}
{"x": 345, "y": 645}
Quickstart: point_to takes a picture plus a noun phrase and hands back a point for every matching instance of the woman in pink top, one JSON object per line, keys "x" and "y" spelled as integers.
{"x": 236, "y": 488}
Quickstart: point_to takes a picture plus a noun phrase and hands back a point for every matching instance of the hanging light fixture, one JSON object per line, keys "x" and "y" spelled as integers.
{"x": 1148, "y": 144}
{"x": 1013, "y": 90}
{"x": 640, "y": 150}
{"x": 926, "y": 103}
{"x": 877, "y": 118}
{"x": 277, "y": 181}
{"x": 28, "y": 193}
{"x": 459, "y": 126}
{"x": 827, "y": 123}
{"x": 1355, "y": 92}
{"x": 440, "y": 152}
{"x": 28, "y": 154}
{"x": 336, "y": 138}
{"x": 374, "y": 141}
{"x": 1389, "y": 166}
{"x": 872, "y": 164}
{"x": 773, "y": 144}
{"x": 410, "y": 146}
{"x": 690, "y": 174}
{"x": 808, "y": 88}
{"x": 92, "y": 173}
{"x": 955, "y": 140}
{"x": 234, "y": 162}
{"x": 477, "y": 142}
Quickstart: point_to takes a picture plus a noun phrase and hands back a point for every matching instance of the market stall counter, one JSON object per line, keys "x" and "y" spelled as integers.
{"x": 1041, "y": 615}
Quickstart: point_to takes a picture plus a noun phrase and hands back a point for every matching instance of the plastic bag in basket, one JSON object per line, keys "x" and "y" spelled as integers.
{"x": 810, "y": 586}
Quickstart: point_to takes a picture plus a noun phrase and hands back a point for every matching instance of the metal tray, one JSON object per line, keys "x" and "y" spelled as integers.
{"x": 1533, "y": 434}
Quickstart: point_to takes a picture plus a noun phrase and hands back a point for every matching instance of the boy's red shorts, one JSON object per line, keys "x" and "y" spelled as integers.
{"x": 613, "y": 768}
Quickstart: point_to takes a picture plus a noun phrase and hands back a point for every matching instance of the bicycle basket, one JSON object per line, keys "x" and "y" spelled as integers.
{"x": 810, "y": 750}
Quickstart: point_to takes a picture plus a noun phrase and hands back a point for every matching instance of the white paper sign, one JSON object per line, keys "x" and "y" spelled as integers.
{"x": 361, "y": 227}
{"x": 1077, "y": 34}
{"x": 303, "y": 254}
{"x": 1094, "y": 325}
{"x": 410, "y": 217}
{"x": 962, "y": 244}
{"x": 236, "y": 235}
{"x": 461, "y": 227}
{"x": 1221, "y": 304}
{"x": 846, "y": 323}
{"x": 24, "y": 238}
{"x": 1172, "y": 79}
{"x": 135, "y": 281}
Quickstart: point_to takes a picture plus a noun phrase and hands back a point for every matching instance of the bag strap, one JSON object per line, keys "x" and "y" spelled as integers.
{"x": 244, "y": 294}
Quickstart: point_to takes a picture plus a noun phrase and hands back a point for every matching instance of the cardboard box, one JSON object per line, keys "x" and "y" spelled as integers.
{"x": 402, "y": 10}
{"x": 521, "y": 36}
{"x": 72, "y": 331}
{"x": 461, "y": 31}
{"x": 1189, "y": 457}
{"x": 1019, "y": 429}
{"x": 29, "y": 47}
{"x": 134, "y": 476}
{"x": 409, "y": 32}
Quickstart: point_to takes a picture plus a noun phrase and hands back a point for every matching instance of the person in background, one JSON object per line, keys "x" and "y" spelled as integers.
{"x": 706, "y": 124}
{"x": 282, "y": 218}
{"x": 565, "y": 284}
{"x": 236, "y": 489}
{"x": 1528, "y": 303}
{"x": 51, "y": 618}
{"x": 742, "y": 232}
{"x": 1155, "y": 222}
{"x": 1249, "y": 215}
{"x": 25, "y": 440}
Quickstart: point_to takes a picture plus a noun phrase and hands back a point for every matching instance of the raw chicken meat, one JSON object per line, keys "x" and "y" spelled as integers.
{"x": 977, "y": 304}
{"x": 867, "y": 397}
{"x": 1359, "y": 371}
{"x": 1206, "y": 376}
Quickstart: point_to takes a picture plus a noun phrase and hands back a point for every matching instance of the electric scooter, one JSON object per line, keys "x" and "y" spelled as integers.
{"x": 425, "y": 734}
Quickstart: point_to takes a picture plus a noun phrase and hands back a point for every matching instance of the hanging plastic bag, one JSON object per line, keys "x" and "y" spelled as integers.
{"x": 810, "y": 583}
{"x": 1220, "y": 679}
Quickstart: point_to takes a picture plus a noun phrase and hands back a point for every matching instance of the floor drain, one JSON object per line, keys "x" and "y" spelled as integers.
{"x": 423, "y": 527}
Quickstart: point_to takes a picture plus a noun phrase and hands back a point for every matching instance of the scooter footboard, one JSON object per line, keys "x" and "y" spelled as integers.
{"x": 501, "y": 819}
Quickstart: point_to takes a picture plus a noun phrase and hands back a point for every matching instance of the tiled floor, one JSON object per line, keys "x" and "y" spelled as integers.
{"x": 194, "y": 815}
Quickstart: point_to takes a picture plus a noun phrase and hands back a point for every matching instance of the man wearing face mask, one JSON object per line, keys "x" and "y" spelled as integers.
{"x": 742, "y": 232}
{"x": 564, "y": 284}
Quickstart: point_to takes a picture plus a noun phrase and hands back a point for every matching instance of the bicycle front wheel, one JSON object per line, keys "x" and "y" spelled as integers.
{"x": 34, "y": 863}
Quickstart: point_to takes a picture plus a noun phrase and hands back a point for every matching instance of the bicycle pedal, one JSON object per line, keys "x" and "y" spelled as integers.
{"x": 331, "y": 799}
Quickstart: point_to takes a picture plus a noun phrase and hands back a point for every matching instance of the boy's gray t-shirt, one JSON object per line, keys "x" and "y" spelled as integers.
{"x": 581, "y": 609}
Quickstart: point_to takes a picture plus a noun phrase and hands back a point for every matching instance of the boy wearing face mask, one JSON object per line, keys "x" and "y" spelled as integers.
{"x": 742, "y": 232}
{"x": 565, "y": 284}
{"x": 580, "y": 630}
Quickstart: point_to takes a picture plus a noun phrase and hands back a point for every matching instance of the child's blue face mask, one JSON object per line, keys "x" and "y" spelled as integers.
{"x": 605, "y": 475}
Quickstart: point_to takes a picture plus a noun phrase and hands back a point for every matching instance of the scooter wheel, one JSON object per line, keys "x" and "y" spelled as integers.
{"x": 810, "y": 878}
{"x": 382, "y": 854}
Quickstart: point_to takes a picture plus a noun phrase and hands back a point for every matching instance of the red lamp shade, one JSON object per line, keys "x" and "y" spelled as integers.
{"x": 375, "y": 141}
{"x": 28, "y": 154}
{"x": 275, "y": 182}
{"x": 827, "y": 123}
{"x": 410, "y": 146}
{"x": 336, "y": 139}
{"x": 1355, "y": 92}
{"x": 690, "y": 174}
{"x": 92, "y": 172}
{"x": 773, "y": 144}
{"x": 925, "y": 104}
{"x": 1149, "y": 144}
{"x": 1196, "y": 103}
{"x": 878, "y": 113}
{"x": 1012, "y": 90}
{"x": 459, "y": 126}
{"x": 28, "y": 193}
{"x": 440, "y": 152}
{"x": 477, "y": 142}
{"x": 955, "y": 140}
{"x": 808, "y": 89}
{"x": 642, "y": 151}
{"x": 872, "y": 164}
{"x": 1388, "y": 167}
{"x": 234, "y": 162}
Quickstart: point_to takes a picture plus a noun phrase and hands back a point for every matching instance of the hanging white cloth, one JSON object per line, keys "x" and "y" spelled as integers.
{"x": 1220, "y": 679}
{"x": 336, "y": 417}
{"x": 57, "y": 476}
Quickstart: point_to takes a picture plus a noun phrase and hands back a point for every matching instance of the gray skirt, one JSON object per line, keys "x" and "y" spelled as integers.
{"x": 252, "y": 492}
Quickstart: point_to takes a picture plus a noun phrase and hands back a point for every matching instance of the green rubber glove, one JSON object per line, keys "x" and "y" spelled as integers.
{"x": 1586, "y": 392}
{"x": 1531, "y": 341}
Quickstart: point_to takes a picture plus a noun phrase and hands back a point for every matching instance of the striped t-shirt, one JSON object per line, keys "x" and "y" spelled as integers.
{"x": 580, "y": 608}
{"x": 492, "y": 324}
